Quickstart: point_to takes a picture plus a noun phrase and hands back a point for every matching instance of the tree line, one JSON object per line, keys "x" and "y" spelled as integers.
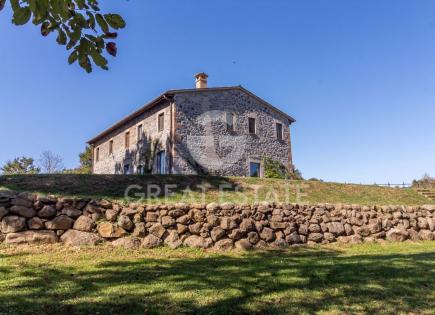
{"x": 48, "y": 163}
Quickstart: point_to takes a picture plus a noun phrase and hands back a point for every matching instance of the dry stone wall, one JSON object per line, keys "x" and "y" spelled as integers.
{"x": 29, "y": 219}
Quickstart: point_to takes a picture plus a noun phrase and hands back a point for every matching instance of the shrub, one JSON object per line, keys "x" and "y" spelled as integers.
{"x": 275, "y": 169}
{"x": 426, "y": 181}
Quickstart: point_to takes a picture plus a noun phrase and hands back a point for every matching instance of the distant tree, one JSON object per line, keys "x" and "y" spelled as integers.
{"x": 75, "y": 22}
{"x": 314, "y": 179}
{"x": 51, "y": 163}
{"x": 426, "y": 181}
{"x": 19, "y": 166}
{"x": 86, "y": 161}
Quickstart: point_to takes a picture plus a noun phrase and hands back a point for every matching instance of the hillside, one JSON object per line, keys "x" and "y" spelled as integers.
{"x": 241, "y": 190}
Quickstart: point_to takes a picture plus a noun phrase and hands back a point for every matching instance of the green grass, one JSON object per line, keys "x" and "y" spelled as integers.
{"x": 248, "y": 190}
{"x": 362, "y": 279}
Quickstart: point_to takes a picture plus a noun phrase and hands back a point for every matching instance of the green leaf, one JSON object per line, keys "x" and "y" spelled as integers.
{"x": 99, "y": 60}
{"x": 91, "y": 37}
{"x": 94, "y": 6}
{"x": 39, "y": 9}
{"x": 21, "y": 16}
{"x": 85, "y": 46}
{"x": 45, "y": 28}
{"x": 115, "y": 21}
{"x": 71, "y": 44}
{"x": 85, "y": 63}
{"x": 81, "y": 4}
{"x": 100, "y": 42}
{"x": 76, "y": 34}
{"x": 110, "y": 35}
{"x": 103, "y": 24}
{"x": 61, "y": 38}
{"x": 73, "y": 57}
{"x": 91, "y": 20}
{"x": 32, "y": 5}
{"x": 2, "y": 4}
{"x": 80, "y": 20}
{"x": 63, "y": 9}
{"x": 72, "y": 19}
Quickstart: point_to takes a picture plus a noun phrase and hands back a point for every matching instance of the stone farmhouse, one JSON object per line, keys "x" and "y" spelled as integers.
{"x": 225, "y": 131}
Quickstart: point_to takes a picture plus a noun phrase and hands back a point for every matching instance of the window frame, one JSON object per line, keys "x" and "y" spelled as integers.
{"x": 127, "y": 140}
{"x": 139, "y": 132}
{"x": 111, "y": 147}
{"x": 161, "y": 162}
{"x": 97, "y": 154}
{"x": 249, "y": 125}
{"x": 279, "y": 135}
{"x": 230, "y": 118}
{"x": 161, "y": 123}
{"x": 251, "y": 163}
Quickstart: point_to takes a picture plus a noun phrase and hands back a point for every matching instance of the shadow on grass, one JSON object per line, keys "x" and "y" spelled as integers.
{"x": 113, "y": 186}
{"x": 305, "y": 281}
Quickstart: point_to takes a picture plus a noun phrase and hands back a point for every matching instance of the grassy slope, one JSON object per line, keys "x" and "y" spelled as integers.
{"x": 114, "y": 187}
{"x": 362, "y": 279}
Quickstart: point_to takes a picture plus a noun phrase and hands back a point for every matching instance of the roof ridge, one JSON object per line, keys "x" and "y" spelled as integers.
{"x": 164, "y": 96}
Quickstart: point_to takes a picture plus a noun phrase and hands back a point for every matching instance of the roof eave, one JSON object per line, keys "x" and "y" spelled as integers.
{"x": 290, "y": 118}
{"x": 125, "y": 120}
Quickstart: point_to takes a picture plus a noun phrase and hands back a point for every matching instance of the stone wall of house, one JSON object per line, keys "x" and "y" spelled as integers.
{"x": 201, "y": 144}
{"x": 27, "y": 218}
{"x": 231, "y": 151}
{"x": 114, "y": 163}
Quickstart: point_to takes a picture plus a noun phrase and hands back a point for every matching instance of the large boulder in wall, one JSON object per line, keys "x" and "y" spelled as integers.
{"x": 80, "y": 238}
{"x": 13, "y": 224}
{"x": 32, "y": 237}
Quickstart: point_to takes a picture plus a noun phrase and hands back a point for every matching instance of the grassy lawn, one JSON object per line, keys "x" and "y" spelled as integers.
{"x": 361, "y": 279}
{"x": 234, "y": 189}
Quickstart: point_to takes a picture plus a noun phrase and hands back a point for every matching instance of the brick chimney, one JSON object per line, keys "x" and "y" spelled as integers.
{"x": 201, "y": 80}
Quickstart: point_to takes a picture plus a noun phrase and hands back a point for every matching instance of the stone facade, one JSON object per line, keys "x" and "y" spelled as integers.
{"x": 202, "y": 119}
{"x": 115, "y": 162}
{"x": 196, "y": 138}
{"x": 77, "y": 222}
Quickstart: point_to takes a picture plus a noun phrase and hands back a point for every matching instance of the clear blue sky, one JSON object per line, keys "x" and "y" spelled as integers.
{"x": 359, "y": 77}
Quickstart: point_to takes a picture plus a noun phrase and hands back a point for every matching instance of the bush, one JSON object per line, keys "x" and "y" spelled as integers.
{"x": 426, "y": 181}
{"x": 275, "y": 169}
